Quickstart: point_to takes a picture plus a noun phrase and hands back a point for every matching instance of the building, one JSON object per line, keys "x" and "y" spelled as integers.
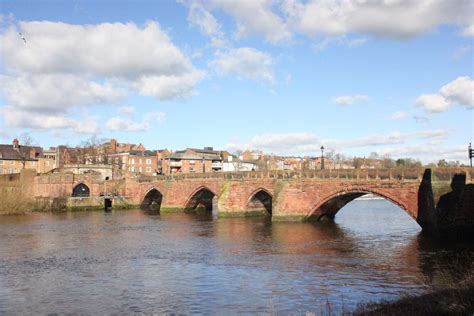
{"x": 316, "y": 163}
{"x": 113, "y": 147}
{"x": 235, "y": 165}
{"x": 136, "y": 162}
{"x": 104, "y": 172}
{"x": 15, "y": 157}
{"x": 193, "y": 160}
{"x": 249, "y": 155}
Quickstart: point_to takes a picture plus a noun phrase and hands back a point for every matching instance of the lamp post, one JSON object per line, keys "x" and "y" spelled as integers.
{"x": 322, "y": 157}
{"x": 471, "y": 154}
{"x": 202, "y": 164}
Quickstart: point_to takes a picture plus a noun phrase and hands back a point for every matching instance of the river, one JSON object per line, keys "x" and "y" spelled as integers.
{"x": 133, "y": 262}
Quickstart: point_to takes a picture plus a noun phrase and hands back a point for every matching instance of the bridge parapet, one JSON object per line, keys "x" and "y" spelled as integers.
{"x": 344, "y": 174}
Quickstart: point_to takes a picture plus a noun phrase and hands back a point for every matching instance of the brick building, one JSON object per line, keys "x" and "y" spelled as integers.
{"x": 16, "y": 157}
{"x": 193, "y": 160}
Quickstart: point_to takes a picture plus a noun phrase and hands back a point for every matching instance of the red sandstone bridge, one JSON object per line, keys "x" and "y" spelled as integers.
{"x": 283, "y": 195}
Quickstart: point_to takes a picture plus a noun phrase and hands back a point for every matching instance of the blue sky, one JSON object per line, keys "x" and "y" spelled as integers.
{"x": 393, "y": 77}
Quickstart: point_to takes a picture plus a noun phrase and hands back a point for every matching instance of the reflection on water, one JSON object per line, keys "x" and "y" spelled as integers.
{"x": 131, "y": 261}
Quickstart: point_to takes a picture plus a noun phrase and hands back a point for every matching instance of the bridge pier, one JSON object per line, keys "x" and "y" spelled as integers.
{"x": 446, "y": 204}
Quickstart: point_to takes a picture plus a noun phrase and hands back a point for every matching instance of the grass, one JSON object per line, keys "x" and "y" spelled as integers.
{"x": 16, "y": 203}
{"x": 455, "y": 298}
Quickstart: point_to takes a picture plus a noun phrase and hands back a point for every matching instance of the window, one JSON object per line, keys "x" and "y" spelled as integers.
{"x": 133, "y": 161}
{"x": 148, "y": 169}
{"x": 140, "y": 169}
{"x": 124, "y": 159}
{"x": 11, "y": 170}
{"x": 148, "y": 161}
{"x": 140, "y": 160}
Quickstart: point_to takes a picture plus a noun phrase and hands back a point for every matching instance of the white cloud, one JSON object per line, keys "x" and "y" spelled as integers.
{"x": 278, "y": 20}
{"x": 308, "y": 143}
{"x": 469, "y": 31}
{"x": 279, "y": 143}
{"x": 56, "y": 92}
{"x": 17, "y": 118}
{"x": 385, "y": 18}
{"x": 129, "y": 110}
{"x": 342, "y": 40}
{"x": 64, "y": 66}
{"x": 430, "y": 152}
{"x": 432, "y": 102}
{"x": 126, "y": 125}
{"x": 244, "y": 62}
{"x": 460, "y": 52}
{"x": 112, "y": 50}
{"x": 459, "y": 91}
{"x": 86, "y": 126}
{"x": 168, "y": 87}
{"x": 398, "y": 115}
{"x": 256, "y": 17}
{"x": 350, "y": 99}
{"x": 203, "y": 19}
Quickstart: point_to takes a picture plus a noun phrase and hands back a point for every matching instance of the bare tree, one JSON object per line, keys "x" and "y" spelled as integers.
{"x": 24, "y": 150}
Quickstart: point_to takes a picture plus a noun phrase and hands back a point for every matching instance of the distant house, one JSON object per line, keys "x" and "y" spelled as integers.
{"x": 193, "y": 160}
{"x": 16, "y": 157}
{"x": 233, "y": 165}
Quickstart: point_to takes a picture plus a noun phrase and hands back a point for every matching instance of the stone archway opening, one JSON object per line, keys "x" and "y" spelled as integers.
{"x": 81, "y": 190}
{"x": 328, "y": 209}
{"x": 152, "y": 201}
{"x": 261, "y": 201}
{"x": 201, "y": 201}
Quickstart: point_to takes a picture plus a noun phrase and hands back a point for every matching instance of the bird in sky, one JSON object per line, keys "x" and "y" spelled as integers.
{"x": 22, "y": 37}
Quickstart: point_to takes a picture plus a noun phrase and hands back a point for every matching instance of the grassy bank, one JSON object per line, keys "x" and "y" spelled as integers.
{"x": 452, "y": 301}
{"x": 14, "y": 203}
{"x": 455, "y": 297}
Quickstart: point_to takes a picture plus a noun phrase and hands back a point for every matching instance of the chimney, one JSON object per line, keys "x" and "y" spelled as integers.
{"x": 113, "y": 145}
{"x": 16, "y": 144}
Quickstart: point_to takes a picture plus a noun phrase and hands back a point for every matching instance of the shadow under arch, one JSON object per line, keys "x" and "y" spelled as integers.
{"x": 81, "y": 190}
{"x": 201, "y": 200}
{"x": 329, "y": 207}
{"x": 260, "y": 201}
{"x": 152, "y": 200}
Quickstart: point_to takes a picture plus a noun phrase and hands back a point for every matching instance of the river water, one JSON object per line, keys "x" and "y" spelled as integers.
{"x": 131, "y": 262}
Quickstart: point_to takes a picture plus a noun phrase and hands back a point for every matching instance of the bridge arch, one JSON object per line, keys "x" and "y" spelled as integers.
{"x": 336, "y": 200}
{"x": 260, "y": 200}
{"x": 152, "y": 200}
{"x": 81, "y": 190}
{"x": 201, "y": 199}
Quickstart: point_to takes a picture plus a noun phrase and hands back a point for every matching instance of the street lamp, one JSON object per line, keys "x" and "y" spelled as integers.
{"x": 202, "y": 164}
{"x": 471, "y": 153}
{"x": 322, "y": 157}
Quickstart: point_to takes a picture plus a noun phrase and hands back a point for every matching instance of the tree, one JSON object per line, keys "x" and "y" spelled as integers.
{"x": 24, "y": 148}
{"x": 443, "y": 163}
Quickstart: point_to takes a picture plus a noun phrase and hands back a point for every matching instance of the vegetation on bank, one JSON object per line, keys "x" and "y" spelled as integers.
{"x": 457, "y": 300}
{"x": 14, "y": 203}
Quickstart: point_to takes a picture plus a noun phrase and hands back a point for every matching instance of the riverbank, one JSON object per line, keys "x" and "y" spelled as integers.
{"x": 459, "y": 301}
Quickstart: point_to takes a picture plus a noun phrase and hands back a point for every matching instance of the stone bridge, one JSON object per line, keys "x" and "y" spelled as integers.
{"x": 308, "y": 195}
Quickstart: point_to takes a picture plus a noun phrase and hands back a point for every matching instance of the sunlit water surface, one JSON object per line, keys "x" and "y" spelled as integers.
{"x": 132, "y": 262}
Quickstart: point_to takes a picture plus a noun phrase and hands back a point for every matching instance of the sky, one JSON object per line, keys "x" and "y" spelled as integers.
{"x": 394, "y": 77}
